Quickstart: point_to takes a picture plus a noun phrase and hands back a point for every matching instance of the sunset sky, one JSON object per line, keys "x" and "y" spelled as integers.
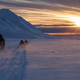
{"x": 58, "y": 13}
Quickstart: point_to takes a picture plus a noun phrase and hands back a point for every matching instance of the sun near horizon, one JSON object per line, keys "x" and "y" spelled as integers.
{"x": 76, "y": 21}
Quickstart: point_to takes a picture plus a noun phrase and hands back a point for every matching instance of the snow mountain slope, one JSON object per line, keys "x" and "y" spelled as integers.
{"x": 13, "y": 26}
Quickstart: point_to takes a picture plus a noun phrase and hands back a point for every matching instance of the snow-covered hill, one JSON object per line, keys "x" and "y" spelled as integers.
{"x": 13, "y": 26}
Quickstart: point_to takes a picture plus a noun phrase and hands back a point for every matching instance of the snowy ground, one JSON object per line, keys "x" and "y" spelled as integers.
{"x": 51, "y": 59}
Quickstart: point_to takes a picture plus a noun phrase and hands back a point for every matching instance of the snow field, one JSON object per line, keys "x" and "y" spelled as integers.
{"x": 56, "y": 59}
{"x": 42, "y": 59}
{"x": 13, "y": 64}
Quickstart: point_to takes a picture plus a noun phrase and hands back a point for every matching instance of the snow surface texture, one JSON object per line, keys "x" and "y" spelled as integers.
{"x": 13, "y": 62}
{"x": 41, "y": 60}
{"x": 53, "y": 60}
{"x": 13, "y": 26}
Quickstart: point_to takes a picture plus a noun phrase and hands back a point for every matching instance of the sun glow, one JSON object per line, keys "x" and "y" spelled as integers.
{"x": 76, "y": 20}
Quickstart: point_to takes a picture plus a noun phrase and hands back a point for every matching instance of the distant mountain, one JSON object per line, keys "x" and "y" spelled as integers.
{"x": 13, "y": 26}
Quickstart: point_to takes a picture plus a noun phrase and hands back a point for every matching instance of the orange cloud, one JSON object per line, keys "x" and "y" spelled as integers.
{"x": 42, "y": 12}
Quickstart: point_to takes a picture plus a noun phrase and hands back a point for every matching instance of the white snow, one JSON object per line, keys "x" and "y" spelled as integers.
{"x": 51, "y": 59}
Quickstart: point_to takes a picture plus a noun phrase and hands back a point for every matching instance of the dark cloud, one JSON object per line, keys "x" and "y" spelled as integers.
{"x": 57, "y": 25}
{"x": 73, "y": 3}
{"x": 69, "y": 3}
{"x": 60, "y": 30}
{"x": 23, "y": 4}
{"x": 48, "y": 4}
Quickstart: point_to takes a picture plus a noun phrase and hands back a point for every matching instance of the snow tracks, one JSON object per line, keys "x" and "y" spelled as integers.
{"x": 13, "y": 66}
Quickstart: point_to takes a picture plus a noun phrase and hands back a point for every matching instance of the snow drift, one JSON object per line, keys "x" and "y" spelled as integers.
{"x": 13, "y": 26}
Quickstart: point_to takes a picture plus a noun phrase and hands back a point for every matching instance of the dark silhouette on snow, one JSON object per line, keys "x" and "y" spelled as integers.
{"x": 23, "y": 44}
{"x": 2, "y": 42}
{"x": 26, "y": 42}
